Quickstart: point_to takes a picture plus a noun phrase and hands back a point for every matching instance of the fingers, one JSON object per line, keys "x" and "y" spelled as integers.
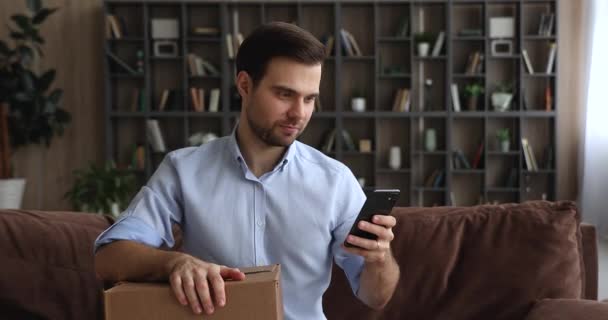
{"x": 191, "y": 295}
{"x": 202, "y": 292}
{"x": 232, "y": 273}
{"x": 178, "y": 290}
{"x": 383, "y": 233}
{"x": 384, "y": 220}
{"x": 217, "y": 285}
{"x": 362, "y": 242}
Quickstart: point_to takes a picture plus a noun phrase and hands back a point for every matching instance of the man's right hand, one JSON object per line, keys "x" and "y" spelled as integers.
{"x": 195, "y": 281}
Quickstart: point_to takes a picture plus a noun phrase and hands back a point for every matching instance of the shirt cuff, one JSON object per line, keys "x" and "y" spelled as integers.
{"x": 129, "y": 228}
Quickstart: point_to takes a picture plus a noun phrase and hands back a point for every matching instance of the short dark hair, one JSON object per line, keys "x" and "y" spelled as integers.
{"x": 277, "y": 39}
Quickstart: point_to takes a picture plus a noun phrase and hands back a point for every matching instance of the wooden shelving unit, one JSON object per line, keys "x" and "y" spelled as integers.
{"x": 374, "y": 25}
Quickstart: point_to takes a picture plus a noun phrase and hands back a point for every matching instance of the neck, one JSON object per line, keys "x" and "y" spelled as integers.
{"x": 259, "y": 156}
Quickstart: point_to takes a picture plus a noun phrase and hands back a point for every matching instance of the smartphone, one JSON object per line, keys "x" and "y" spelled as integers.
{"x": 379, "y": 201}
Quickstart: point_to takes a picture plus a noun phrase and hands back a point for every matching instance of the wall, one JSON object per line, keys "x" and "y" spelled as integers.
{"x": 74, "y": 48}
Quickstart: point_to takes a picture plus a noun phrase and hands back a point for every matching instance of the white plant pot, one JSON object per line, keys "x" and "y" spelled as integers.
{"x": 501, "y": 101}
{"x": 358, "y": 104}
{"x": 505, "y": 145}
{"x": 11, "y": 193}
{"x": 423, "y": 49}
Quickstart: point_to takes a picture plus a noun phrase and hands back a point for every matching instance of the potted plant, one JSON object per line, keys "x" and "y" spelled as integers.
{"x": 502, "y": 97}
{"x": 504, "y": 139}
{"x": 423, "y": 42}
{"x": 104, "y": 190}
{"x": 31, "y": 111}
{"x": 472, "y": 91}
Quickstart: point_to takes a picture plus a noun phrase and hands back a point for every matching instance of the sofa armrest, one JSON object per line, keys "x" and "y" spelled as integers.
{"x": 590, "y": 258}
{"x": 567, "y": 309}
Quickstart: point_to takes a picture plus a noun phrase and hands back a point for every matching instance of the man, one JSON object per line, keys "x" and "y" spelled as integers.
{"x": 256, "y": 197}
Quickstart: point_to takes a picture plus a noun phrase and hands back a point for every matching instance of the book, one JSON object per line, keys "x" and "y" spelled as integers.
{"x": 214, "y": 100}
{"x": 353, "y": 43}
{"x": 329, "y": 45}
{"x": 155, "y": 136}
{"x": 428, "y": 183}
{"x": 551, "y": 59}
{"x": 402, "y": 29}
{"x": 478, "y": 156}
{"x": 438, "y": 182}
{"x": 455, "y": 97}
{"x": 527, "y": 61}
{"x": 229, "y": 46}
{"x": 328, "y": 143}
{"x": 346, "y": 45}
{"x": 121, "y": 63}
{"x": 397, "y": 100}
{"x": 164, "y": 97}
{"x": 548, "y": 98}
{"x": 205, "y": 31}
{"x": 545, "y": 26}
{"x": 349, "y": 144}
{"x": 528, "y": 155}
{"x": 438, "y": 44}
{"x": 194, "y": 96}
{"x": 462, "y": 159}
{"x": 114, "y": 26}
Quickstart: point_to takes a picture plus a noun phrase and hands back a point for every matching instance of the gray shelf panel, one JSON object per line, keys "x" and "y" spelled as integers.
{"x": 395, "y": 76}
{"x": 393, "y": 171}
{"x": 428, "y": 189}
{"x": 394, "y": 39}
{"x": 468, "y": 171}
{"x": 502, "y": 190}
{"x": 500, "y": 153}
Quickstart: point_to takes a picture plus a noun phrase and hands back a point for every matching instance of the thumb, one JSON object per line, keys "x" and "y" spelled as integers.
{"x": 231, "y": 273}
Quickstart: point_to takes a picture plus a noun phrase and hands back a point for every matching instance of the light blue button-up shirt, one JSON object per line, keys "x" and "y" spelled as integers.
{"x": 296, "y": 215}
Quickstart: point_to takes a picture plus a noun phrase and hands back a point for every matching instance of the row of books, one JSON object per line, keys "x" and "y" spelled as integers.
{"x": 169, "y": 99}
{"x": 198, "y": 98}
{"x": 402, "y": 100}
{"x": 350, "y": 46}
{"x": 545, "y": 25}
{"x": 115, "y": 27}
{"x": 329, "y": 141}
{"x": 550, "y": 60}
{"x": 198, "y": 66}
{"x": 460, "y": 161}
{"x": 474, "y": 63}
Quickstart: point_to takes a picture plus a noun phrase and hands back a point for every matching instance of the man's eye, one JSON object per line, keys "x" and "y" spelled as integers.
{"x": 284, "y": 94}
{"x": 310, "y": 99}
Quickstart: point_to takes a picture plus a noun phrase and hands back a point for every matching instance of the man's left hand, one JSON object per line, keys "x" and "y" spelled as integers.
{"x": 373, "y": 251}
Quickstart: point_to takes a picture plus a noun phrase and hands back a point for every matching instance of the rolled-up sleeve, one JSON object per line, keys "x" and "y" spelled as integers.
{"x": 152, "y": 212}
{"x": 350, "y": 199}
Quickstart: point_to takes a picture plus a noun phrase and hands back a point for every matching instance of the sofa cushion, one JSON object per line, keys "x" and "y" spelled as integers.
{"x": 47, "y": 265}
{"x": 482, "y": 262}
{"x": 568, "y": 309}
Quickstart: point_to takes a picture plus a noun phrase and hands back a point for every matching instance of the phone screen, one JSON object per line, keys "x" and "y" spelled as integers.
{"x": 380, "y": 201}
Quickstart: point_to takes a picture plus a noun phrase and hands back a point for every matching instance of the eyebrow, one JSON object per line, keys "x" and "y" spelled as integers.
{"x": 283, "y": 88}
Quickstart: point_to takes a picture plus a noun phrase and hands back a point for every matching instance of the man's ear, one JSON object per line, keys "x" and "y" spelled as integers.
{"x": 244, "y": 84}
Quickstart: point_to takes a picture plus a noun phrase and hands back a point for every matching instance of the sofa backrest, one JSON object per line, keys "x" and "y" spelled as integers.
{"x": 47, "y": 265}
{"x": 483, "y": 262}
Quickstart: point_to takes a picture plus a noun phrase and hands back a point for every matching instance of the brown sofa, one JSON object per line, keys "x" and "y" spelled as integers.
{"x": 529, "y": 261}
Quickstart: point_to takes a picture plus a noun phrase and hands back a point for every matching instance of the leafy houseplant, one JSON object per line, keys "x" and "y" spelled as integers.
{"x": 472, "y": 92}
{"x": 105, "y": 189}
{"x": 504, "y": 138}
{"x": 31, "y": 113}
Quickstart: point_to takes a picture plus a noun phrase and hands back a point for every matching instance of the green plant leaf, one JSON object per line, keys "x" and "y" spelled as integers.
{"x": 26, "y": 53}
{"x": 22, "y": 22}
{"x": 45, "y": 80}
{"x": 27, "y": 79}
{"x": 4, "y": 49}
{"x": 15, "y": 35}
{"x": 34, "y": 5}
{"x": 42, "y": 15}
{"x": 55, "y": 96}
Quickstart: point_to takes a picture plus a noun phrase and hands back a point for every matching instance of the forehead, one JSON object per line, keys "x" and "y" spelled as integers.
{"x": 298, "y": 76}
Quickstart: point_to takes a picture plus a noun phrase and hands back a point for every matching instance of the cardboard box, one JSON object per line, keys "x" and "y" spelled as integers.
{"x": 257, "y": 297}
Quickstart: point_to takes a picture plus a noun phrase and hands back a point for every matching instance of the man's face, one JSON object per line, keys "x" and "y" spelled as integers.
{"x": 280, "y": 106}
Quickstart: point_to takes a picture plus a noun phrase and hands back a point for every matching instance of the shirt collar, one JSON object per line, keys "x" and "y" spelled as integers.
{"x": 237, "y": 156}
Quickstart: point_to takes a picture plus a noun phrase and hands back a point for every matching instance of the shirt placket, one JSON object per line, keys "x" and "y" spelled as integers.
{"x": 259, "y": 223}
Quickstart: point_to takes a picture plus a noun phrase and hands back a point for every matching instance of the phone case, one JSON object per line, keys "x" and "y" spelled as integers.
{"x": 379, "y": 201}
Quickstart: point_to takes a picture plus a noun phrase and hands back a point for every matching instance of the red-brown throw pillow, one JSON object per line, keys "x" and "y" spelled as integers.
{"x": 482, "y": 262}
{"x": 569, "y": 309}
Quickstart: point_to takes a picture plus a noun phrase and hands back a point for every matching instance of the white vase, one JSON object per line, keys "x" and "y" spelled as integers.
{"x": 505, "y": 145}
{"x": 430, "y": 140}
{"x": 501, "y": 101}
{"x": 358, "y": 104}
{"x": 394, "y": 158}
{"x": 423, "y": 49}
{"x": 11, "y": 193}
